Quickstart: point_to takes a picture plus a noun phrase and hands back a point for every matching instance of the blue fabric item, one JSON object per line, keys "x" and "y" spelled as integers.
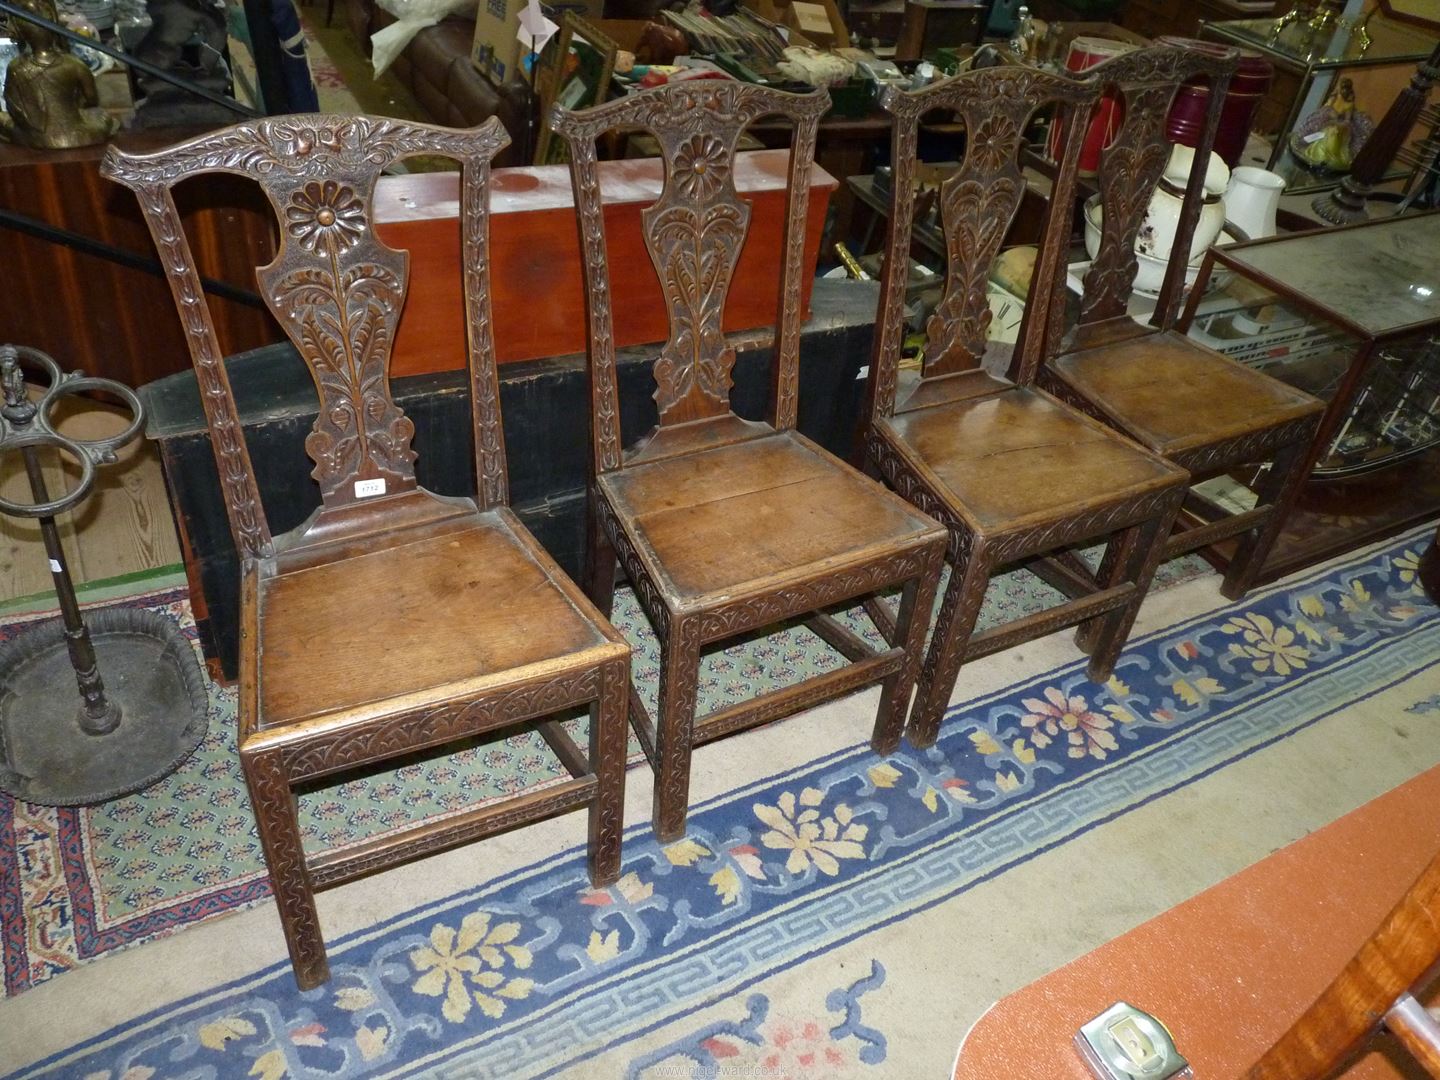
{"x": 300, "y": 95}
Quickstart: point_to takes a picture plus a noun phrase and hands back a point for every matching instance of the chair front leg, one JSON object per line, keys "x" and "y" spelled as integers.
{"x": 1139, "y": 550}
{"x": 1279, "y": 489}
{"x": 675, "y": 727}
{"x": 916, "y": 602}
{"x": 1120, "y": 548}
{"x": 608, "y": 734}
{"x": 276, "y": 819}
{"x": 964, "y": 594}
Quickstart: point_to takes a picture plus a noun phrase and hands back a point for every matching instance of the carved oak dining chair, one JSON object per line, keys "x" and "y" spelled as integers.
{"x": 1184, "y": 401}
{"x": 1375, "y": 990}
{"x": 1014, "y": 474}
{"x": 725, "y": 525}
{"x": 392, "y": 620}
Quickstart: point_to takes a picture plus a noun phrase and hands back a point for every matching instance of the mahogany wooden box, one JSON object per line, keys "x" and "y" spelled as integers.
{"x": 538, "y": 300}
{"x": 78, "y": 268}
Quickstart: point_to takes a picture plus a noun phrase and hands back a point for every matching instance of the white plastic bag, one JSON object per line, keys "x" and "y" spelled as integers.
{"x": 412, "y": 16}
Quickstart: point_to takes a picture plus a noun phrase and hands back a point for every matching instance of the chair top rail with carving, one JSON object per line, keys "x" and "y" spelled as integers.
{"x": 338, "y": 293}
{"x": 693, "y": 232}
{"x": 978, "y": 203}
{"x": 1130, "y": 167}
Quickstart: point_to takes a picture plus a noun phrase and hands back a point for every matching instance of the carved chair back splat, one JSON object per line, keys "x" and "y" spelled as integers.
{"x": 978, "y": 204}
{"x": 723, "y": 525}
{"x": 393, "y": 621}
{"x": 1132, "y": 164}
{"x": 1013, "y": 473}
{"x": 337, "y": 292}
{"x": 693, "y": 232}
{"x": 1177, "y": 398}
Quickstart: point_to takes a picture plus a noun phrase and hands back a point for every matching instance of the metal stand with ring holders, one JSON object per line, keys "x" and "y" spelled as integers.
{"x": 142, "y": 705}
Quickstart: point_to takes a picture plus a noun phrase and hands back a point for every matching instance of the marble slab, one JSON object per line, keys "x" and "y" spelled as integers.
{"x": 1381, "y": 277}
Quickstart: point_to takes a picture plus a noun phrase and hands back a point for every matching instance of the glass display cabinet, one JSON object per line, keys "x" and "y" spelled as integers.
{"x": 1351, "y": 315}
{"x": 1308, "y": 65}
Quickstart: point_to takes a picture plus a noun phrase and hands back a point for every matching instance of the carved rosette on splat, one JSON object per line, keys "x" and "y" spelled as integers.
{"x": 978, "y": 202}
{"x": 694, "y": 233}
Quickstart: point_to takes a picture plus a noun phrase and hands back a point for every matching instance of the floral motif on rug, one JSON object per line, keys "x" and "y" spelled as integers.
{"x": 536, "y": 972}
{"x": 767, "y": 1041}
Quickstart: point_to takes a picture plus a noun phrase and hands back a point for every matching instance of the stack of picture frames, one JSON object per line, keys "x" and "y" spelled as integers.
{"x": 578, "y": 65}
{"x": 574, "y": 71}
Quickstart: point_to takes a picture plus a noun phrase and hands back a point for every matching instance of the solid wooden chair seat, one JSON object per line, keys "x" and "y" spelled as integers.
{"x": 1174, "y": 395}
{"x": 771, "y": 509}
{"x": 1017, "y": 458}
{"x": 491, "y": 598}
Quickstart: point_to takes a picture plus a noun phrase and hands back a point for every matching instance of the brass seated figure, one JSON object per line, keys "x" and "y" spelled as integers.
{"x": 50, "y": 95}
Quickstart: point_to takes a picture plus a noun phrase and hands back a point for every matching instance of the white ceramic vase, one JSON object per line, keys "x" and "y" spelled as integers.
{"x": 1251, "y": 200}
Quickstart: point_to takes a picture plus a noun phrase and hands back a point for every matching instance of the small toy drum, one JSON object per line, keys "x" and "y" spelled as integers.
{"x": 1085, "y": 53}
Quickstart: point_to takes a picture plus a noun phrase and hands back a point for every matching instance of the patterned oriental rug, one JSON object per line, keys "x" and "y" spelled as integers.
{"x": 765, "y": 942}
{"x": 76, "y": 884}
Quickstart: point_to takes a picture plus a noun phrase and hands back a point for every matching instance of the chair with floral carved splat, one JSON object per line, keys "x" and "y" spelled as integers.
{"x": 725, "y": 526}
{"x": 1182, "y": 400}
{"x": 393, "y": 620}
{"x": 1015, "y": 475}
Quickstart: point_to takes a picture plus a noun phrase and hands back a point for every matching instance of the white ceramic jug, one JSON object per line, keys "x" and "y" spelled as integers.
{"x": 1162, "y": 216}
{"x": 1251, "y": 199}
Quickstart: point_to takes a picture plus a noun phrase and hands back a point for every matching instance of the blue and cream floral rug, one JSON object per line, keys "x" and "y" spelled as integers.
{"x": 78, "y": 883}
{"x": 766, "y": 943}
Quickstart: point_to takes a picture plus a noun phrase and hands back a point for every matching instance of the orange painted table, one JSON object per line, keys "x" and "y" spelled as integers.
{"x": 1230, "y": 970}
{"x": 535, "y": 273}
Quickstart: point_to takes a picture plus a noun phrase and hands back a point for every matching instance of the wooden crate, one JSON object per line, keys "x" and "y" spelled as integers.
{"x": 536, "y": 279}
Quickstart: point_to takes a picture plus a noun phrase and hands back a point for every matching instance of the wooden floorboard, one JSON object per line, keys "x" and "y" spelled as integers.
{"x": 123, "y": 527}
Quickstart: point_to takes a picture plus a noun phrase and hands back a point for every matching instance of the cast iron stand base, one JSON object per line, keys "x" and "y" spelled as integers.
{"x": 150, "y": 671}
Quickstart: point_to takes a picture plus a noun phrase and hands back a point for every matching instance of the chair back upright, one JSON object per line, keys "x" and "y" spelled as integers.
{"x": 693, "y": 232}
{"x": 978, "y": 203}
{"x": 338, "y": 293}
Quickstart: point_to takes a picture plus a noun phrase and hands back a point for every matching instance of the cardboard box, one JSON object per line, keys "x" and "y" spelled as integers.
{"x": 495, "y": 50}
{"x": 813, "y": 22}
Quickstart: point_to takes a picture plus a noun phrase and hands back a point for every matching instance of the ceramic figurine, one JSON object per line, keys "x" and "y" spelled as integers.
{"x": 1328, "y": 138}
{"x": 50, "y": 96}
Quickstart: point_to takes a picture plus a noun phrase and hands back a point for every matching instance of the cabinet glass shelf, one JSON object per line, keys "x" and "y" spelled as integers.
{"x": 1351, "y": 315}
{"x": 1307, "y": 64}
